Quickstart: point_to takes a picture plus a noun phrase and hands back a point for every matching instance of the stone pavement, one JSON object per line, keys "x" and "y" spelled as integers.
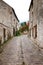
{"x": 21, "y": 51}
{"x": 32, "y": 55}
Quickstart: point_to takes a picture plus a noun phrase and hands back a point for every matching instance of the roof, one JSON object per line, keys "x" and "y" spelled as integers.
{"x": 31, "y": 4}
{"x": 6, "y": 3}
{"x": 15, "y": 14}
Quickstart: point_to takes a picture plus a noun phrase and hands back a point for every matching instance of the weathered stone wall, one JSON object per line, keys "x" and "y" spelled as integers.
{"x": 31, "y": 21}
{"x": 33, "y": 17}
{"x": 5, "y": 16}
{"x": 7, "y": 20}
{"x": 35, "y": 5}
{"x": 37, "y": 19}
{"x": 40, "y": 23}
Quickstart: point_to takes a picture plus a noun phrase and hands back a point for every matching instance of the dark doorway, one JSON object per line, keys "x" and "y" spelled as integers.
{"x": 13, "y": 31}
{"x": 4, "y": 33}
{"x": 35, "y": 31}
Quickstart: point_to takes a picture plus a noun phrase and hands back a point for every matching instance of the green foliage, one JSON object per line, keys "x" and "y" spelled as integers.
{"x": 23, "y": 24}
{"x": 27, "y": 28}
{"x": 18, "y": 33}
{"x": 24, "y": 28}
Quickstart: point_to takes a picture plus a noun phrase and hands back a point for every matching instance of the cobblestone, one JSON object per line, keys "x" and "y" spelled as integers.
{"x": 21, "y": 51}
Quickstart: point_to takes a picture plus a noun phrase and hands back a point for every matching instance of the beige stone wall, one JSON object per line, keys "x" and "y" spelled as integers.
{"x": 7, "y": 20}
{"x": 37, "y": 19}
{"x": 15, "y": 21}
{"x": 35, "y": 5}
{"x": 40, "y": 23}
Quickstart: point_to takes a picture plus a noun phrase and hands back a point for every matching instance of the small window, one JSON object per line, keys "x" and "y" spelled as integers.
{"x": 10, "y": 12}
{"x": 32, "y": 13}
{"x": 14, "y": 19}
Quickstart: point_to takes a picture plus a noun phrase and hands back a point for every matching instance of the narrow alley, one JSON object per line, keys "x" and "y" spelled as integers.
{"x": 21, "y": 51}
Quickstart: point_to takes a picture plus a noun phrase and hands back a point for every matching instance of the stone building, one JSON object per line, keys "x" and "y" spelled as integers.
{"x": 8, "y": 21}
{"x": 36, "y": 21}
{"x": 15, "y": 22}
{"x": 18, "y": 26}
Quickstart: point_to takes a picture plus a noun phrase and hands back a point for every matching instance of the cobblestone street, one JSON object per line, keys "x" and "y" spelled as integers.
{"x": 21, "y": 51}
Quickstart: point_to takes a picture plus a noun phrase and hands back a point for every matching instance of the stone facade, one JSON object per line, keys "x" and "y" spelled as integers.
{"x": 8, "y": 21}
{"x": 36, "y": 21}
{"x": 18, "y": 26}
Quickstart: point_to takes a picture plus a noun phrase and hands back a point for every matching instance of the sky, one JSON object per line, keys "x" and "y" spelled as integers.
{"x": 21, "y": 8}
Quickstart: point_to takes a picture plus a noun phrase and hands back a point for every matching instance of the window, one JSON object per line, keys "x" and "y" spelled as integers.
{"x": 14, "y": 19}
{"x": 10, "y": 12}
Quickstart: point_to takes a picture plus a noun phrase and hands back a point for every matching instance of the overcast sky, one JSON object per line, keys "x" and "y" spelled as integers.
{"x": 21, "y": 8}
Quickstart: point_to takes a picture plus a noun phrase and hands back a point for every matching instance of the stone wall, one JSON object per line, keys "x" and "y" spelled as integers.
{"x": 7, "y": 21}
{"x": 40, "y": 23}
{"x": 37, "y": 17}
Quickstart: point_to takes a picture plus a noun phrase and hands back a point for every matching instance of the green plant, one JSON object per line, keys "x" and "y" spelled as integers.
{"x": 17, "y": 33}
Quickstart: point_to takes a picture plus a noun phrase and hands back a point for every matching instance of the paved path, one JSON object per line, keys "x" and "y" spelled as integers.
{"x": 21, "y": 51}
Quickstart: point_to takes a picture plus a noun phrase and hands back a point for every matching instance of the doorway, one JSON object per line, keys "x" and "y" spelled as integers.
{"x": 4, "y": 33}
{"x": 13, "y": 31}
{"x": 35, "y": 28}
